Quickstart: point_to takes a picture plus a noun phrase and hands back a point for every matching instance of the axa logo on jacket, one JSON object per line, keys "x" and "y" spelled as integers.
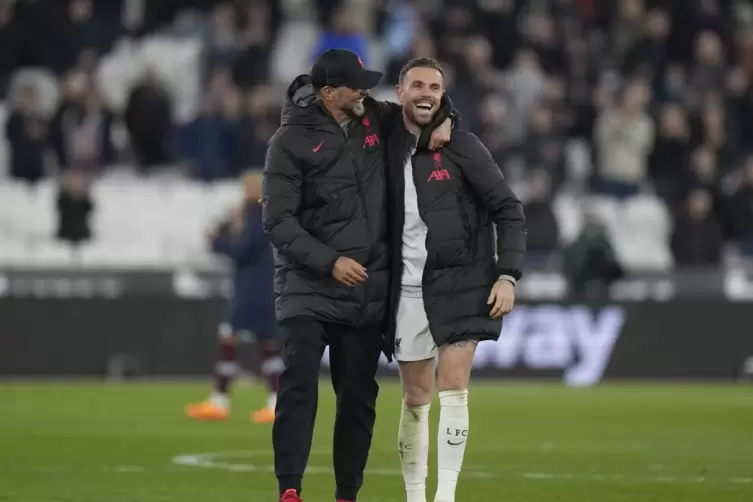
{"x": 370, "y": 141}
{"x": 438, "y": 173}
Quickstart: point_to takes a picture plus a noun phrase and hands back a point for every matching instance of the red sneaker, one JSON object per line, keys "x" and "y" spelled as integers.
{"x": 290, "y": 495}
{"x": 343, "y": 500}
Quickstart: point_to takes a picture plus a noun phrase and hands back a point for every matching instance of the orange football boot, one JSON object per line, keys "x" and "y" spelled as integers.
{"x": 263, "y": 416}
{"x": 207, "y": 411}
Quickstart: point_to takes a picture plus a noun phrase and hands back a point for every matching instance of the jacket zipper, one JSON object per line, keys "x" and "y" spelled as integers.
{"x": 366, "y": 217}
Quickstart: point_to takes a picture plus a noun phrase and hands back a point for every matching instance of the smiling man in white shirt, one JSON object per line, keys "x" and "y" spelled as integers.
{"x": 451, "y": 282}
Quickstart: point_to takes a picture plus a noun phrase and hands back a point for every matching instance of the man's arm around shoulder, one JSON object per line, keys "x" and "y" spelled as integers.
{"x": 281, "y": 204}
{"x": 390, "y": 114}
{"x": 491, "y": 188}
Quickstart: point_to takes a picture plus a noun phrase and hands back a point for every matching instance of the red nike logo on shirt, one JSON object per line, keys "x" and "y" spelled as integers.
{"x": 318, "y": 146}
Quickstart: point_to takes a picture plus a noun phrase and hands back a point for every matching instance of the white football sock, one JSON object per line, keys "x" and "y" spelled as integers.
{"x": 272, "y": 400}
{"x": 413, "y": 446}
{"x": 453, "y": 434}
{"x": 220, "y": 400}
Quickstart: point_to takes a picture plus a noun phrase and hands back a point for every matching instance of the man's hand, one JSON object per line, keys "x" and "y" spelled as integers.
{"x": 441, "y": 135}
{"x": 502, "y": 298}
{"x": 349, "y": 272}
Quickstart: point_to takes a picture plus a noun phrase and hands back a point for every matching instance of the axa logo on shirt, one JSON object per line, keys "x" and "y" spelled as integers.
{"x": 370, "y": 141}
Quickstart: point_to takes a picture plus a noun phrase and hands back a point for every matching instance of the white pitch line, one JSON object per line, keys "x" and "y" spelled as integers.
{"x": 128, "y": 468}
{"x": 538, "y": 475}
{"x": 666, "y": 479}
{"x": 212, "y": 460}
{"x": 741, "y": 480}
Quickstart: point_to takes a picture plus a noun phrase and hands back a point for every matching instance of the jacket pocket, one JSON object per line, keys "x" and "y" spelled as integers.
{"x": 310, "y": 217}
{"x": 335, "y": 206}
{"x": 474, "y": 221}
{"x": 328, "y": 195}
{"x": 465, "y": 217}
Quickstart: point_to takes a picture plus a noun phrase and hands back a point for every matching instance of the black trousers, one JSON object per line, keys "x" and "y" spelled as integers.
{"x": 354, "y": 357}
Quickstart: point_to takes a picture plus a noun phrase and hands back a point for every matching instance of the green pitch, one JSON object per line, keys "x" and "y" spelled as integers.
{"x": 527, "y": 443}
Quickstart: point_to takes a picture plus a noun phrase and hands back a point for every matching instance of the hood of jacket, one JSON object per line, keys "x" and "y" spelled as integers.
{"x": 302, "y": 105}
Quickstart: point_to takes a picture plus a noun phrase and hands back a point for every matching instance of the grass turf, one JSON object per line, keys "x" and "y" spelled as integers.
{"x": 94, "y": 442}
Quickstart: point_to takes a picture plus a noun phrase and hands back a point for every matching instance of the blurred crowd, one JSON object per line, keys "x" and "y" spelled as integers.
{"x": 656, "y": 94}
{"x": 659, "y": 92}
{"x": 228, "y": 135}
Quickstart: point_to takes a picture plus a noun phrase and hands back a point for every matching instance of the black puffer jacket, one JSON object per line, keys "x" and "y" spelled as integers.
{"x": 462, "y": 195}
{"x": 324, "y": 196}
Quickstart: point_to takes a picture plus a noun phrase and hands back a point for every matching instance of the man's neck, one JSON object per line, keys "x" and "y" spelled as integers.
{"x": 412, "y": 127}
{"x": 337, "y": 114}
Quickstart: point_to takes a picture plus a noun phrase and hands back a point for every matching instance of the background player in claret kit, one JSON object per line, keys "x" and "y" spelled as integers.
{"x": 449, "y": 289}
{"x": 251, "y": 312}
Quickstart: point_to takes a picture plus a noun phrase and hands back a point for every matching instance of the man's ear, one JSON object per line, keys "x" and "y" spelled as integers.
{"x": 399, "y": 91}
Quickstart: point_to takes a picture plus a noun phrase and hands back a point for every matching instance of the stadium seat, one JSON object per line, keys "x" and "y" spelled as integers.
{"x": 4, "y": 151}
{"x": 50, "y": 254}
{"x": 649, "y": 212}
{"x": 605, "y": 209}
{"x": 637, "y": 250}
{"x": 13, "y": 252}
{"x": 291, "y": 55}
{"x": 378, "y": 57}
{"x": 176, "y": 61}
{"x": 41, "y": 218}
{"x": 123, "y": 254}
{"x": 224, "y": 197}
{"x": 569, "y": 216}
{"x": 579, "y": 166}
{"x": 643, "y": 231}
{"x": 161, "y": 222}
{"x": 15, "y": 201}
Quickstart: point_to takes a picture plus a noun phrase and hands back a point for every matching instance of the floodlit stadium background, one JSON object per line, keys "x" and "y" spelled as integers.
{"x": 626, "y": 127}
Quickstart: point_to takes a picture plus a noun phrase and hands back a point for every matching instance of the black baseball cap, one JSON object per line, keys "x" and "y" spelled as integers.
{"x": 343, "y": 68}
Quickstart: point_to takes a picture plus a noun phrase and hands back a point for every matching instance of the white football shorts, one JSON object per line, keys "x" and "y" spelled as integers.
{"x": 413, "y": 340}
